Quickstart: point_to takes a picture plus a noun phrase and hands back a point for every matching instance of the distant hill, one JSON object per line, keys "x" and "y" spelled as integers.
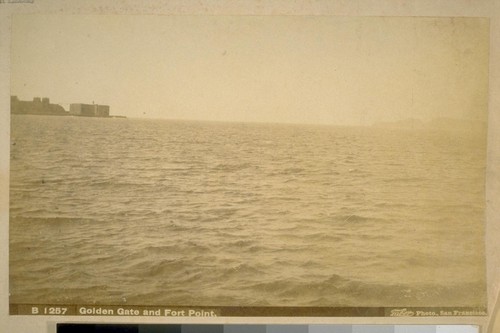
{"x": 457, "y": 124}
{"x": 405, "y": 123}
{"x": 39, "y": 106}
{"x": 451, "y": 124}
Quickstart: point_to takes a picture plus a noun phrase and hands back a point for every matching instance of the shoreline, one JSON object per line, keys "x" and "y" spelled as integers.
{"x": 66, "y": 115}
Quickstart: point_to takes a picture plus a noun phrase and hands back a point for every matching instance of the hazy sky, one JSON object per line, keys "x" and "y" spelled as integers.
{"x": 338, "y": 70}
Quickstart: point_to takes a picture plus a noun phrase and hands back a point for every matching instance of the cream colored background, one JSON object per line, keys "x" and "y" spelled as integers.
{"x": 478, "y": 8}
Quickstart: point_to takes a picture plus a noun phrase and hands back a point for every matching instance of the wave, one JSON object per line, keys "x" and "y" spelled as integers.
{"x": 249, "y": 271}
{"x": 412, "y": 180}
{"x": 322, "y": 220}
{"x": 158, "y": 268}
{"x": 232, "y": 167}
{"x": 343, "y": 291}
{"x": 52, "y": 219}
{"x": 355, "y": 218}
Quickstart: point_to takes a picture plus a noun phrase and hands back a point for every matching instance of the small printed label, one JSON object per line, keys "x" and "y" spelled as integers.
{"x": 111, "y": 310}
{"x": 201, "y": 311}
{"x": 45, "y": 310}
{"x": 145, "y": 311}
{"x": 433, "y": 312}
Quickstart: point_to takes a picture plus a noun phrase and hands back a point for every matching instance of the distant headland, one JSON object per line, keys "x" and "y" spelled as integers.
{"x": 442, "y": 123}
{"x": 42, "y": 106}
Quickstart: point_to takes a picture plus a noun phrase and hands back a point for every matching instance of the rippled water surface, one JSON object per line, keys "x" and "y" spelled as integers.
{"x": 163, "y": 212}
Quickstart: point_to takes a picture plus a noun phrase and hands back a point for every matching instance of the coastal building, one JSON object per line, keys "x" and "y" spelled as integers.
{"x": 39, "y": 106}
{"x": 89, "y": 110}
{"x": 42, "y": 106}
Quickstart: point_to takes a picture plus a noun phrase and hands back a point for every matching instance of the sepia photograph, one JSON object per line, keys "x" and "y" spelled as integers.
{"x": 249, "y": 163}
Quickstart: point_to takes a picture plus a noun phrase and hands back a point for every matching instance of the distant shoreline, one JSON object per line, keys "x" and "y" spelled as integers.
{"x": 42, "y": 107}
{"x": 64, "y": 115}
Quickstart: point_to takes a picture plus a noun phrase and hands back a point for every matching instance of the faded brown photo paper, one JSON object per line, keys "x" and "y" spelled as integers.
{"x": 206, "y": 166}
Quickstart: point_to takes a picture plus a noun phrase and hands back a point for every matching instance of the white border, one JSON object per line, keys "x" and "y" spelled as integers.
{"x": 477, "y": 8}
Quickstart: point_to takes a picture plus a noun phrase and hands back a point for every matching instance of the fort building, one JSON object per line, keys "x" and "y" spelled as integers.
{"x": 42, "y": 106}
{"x": 39, "y": 106}
{"x": 89, "y": 110}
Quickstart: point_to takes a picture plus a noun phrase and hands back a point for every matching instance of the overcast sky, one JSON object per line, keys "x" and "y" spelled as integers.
{"x": 330, "y": 70}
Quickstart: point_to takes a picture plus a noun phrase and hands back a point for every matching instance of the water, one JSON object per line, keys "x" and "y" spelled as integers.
{"x": 157, "y": 212}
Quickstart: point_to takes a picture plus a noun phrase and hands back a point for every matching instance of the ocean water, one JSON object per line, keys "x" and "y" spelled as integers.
{"x": 158, "y": 212}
